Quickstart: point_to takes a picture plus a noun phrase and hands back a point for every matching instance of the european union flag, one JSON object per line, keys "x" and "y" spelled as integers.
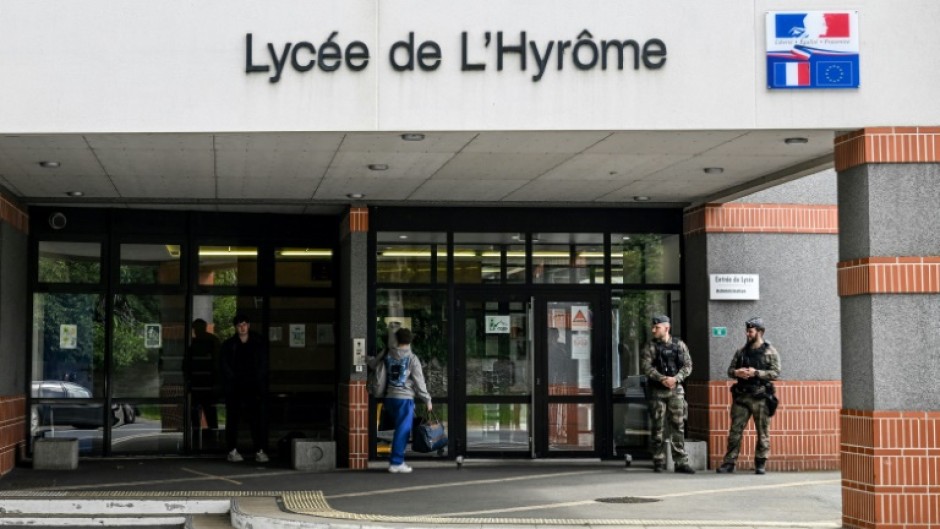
{"x": 830, "y": 73}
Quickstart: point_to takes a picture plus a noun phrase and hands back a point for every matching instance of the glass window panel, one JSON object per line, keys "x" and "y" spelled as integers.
{"x": 68, "y": 340}
{"x": 560, "y": 258}
{"x": 477, "y": 256}
{"x": 72, "y": 421}
{"x": 156, "y": 428}
{"x": 69, "y": 262}
{"x": 632, "y": 312}
{"x": 423, "y": 312}
{"x": 570, "y": 426}
{"x": 497, "y": 363}
{"x": 645, "y": 258}
{"x": 570, "y": 328}
{"x": 303, "y": 267}
{"x": 148, "y": 346}
{"x": 150, "y": 264}
{"x": 631, "y": 424}
{"x": 228, "y": 265}
{"x": 302, "y": 338}
{"x": 502, "y": 427}
{"x": 406, "y": 257}
{"x": 515, "y": 263}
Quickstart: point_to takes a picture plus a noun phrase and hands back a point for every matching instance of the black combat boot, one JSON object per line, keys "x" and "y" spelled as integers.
{"x": 760, "y": 466}
{"x": 659, "y": 466}
{"x": 684, "y": 469}
{"x": 725, "y": 468}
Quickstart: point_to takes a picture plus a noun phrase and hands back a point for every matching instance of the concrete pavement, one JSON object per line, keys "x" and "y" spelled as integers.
{"x": 483, "y": 493}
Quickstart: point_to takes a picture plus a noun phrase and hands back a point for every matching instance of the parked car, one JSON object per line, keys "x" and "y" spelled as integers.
{"x": 77, "y": 415}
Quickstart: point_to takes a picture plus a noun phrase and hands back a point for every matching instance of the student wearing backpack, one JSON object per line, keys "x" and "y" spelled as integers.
{"x": 666, "y": 363}
{"x": 404, "y": 380}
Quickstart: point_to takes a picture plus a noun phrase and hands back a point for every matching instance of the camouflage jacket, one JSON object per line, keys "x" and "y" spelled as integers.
{"x": 648, "y": 368}
{"x": 770, "y": 361}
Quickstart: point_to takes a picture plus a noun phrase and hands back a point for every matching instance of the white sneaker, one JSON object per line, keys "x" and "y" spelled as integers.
{"x": 400, "y": 469}
{"x": 235, "y": 457}
{"x": 261, "y": 457}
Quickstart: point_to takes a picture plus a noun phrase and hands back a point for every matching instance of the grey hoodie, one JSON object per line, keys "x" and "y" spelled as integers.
{"x": 415, "y": 383}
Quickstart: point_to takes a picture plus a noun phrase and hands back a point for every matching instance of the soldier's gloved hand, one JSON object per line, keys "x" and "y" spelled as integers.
{"x": 670, "y": 382}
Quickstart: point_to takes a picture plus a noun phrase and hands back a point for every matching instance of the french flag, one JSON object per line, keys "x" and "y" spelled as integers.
{"x": 791, "y": 73}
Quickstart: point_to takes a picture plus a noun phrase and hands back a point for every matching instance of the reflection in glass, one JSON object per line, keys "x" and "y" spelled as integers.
{"x": 228, "y": 265}
{"x": 157, "y": 428}
{"x": 303, "y": 267}
{"x": 406, "y": 257}
{"x": 478, "y": 257}
{"x": 571, "y": 324}
{"x": 68, "y": 340}
{"x": 645, "y": 258}
{"x": 69, "y": 262}
{"x": 563, "y": 258}
{"x": 148, "y": 345}
{"x": 570, "y": 426}
{"x": 498, "y": 427}
{"x": 422, "y": 311}
{"x": 302, "y": 382}
{"x": 497, "y": 356}
{"x": 631, "y": 423}
{"x": 150, "y": 264}
{"x": 72, "y": 421}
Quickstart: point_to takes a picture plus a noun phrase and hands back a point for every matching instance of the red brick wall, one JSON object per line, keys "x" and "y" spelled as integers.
{"x": 804, "y": 434}
{"x": 887, "y": 145}
{"x": 354, "y": 422}
{"x": 12, "y": 430}
{"x": 761, "y": 218}
{"x": 889, "y": 275}
{"x": 890, "y": 469}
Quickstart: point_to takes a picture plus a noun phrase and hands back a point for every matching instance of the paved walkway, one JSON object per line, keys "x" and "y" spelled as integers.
{"x": 482, "y": 493}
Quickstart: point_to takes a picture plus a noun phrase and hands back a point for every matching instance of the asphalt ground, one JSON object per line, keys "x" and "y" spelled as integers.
{"x": 520, "y": 491}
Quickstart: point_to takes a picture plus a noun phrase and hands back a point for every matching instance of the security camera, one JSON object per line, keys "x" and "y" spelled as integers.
{"x": 57, "y": 220}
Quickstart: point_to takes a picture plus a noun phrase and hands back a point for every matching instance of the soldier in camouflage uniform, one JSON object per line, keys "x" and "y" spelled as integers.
{"x": 755, "y": 366}
{"x": 666, "y": 363}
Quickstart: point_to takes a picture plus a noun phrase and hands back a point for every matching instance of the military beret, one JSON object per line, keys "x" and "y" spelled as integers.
{"x": 660, "y": 318}
{"x": 757, "y": 323}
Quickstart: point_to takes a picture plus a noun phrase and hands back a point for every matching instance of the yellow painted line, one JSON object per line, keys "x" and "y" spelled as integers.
{"x": 461, "y": 484}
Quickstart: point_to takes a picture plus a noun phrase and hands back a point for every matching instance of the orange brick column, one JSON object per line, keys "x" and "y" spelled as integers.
{"x": 12, "y": 407}
{"x": 805, "y": 430}
{"x": 353, "y": 431}
{"x": 890, "y": 442}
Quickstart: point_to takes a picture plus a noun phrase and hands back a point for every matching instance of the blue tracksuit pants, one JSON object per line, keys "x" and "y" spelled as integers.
{"x": 402, "y": 412}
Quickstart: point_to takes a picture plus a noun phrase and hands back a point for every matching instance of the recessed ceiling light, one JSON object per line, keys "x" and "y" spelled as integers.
{"x": 75, "y": 193}
{"x": 356, "y": 196}
{"x": 378, "y": 166}
{"x": 641, "y": 198}
{"x": 795, "y": 141}
{"x": 403, "y": 237}
{"x": 412, "y": 136}
{"x": 49, "y": 164}
{"x": 714, "y": 170}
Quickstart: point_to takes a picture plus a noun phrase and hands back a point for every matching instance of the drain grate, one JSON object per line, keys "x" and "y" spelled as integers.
{"x": 627, "y": 499}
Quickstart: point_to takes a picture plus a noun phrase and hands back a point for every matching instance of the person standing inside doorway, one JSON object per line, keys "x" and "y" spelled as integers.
{"x": 245, "y": 369}
{"x": 204, "y": 383}
{"x": 405, "y": 379}
{"x": 666, "y": 363}
{"x": 755, "y": 366}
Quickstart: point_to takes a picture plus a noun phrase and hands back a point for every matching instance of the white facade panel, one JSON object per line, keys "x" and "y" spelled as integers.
{"x": 179, "y": 66}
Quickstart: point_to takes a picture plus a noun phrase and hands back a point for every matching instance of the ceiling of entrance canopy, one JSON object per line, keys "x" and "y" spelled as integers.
{"x": 320, "y": 172}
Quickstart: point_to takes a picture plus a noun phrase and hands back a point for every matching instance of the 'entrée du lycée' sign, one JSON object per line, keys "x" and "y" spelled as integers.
{"x": 409, "y": 54}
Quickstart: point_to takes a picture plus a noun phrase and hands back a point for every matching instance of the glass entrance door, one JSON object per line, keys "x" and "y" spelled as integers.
{"x": 525, "y": 373}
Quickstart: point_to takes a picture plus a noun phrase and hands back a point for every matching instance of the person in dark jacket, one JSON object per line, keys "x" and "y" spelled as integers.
{"x": 245, "y": 370}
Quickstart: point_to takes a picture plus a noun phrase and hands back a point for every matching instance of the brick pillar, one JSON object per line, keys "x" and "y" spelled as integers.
{"x": 749, "y": 237}
{"x": 353, "y": 432}
{"x": 889, "y": 281}
{"x": 14, "y": 230}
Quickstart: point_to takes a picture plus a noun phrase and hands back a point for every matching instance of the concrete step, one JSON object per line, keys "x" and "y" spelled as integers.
{"x": 209, "y": 521}
{"x": 79, "y": 512}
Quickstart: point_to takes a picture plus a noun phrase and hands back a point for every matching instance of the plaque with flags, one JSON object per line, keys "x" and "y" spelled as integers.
{"x": 812, "y": 49}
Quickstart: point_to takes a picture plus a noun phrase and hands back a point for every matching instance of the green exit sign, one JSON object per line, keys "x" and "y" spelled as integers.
{"x": 719, "y": 332}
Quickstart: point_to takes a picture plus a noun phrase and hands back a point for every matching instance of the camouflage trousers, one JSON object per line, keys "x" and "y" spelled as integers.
{"x": 672, "y": 409}
{"x": 743, "y": 408}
